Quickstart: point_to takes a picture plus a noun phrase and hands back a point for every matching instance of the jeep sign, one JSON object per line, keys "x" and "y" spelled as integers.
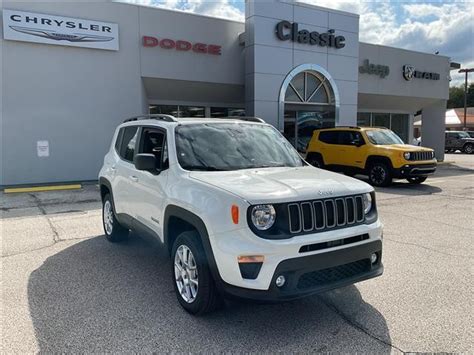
{"x": 59, "y": 30}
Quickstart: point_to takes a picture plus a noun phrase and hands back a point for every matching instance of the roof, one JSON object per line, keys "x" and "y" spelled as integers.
{"x": 352, "y": 128}
{"x": 454, "y": 117}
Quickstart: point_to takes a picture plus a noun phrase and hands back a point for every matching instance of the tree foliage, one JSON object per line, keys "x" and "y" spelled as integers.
{"x": 456, "y": 96}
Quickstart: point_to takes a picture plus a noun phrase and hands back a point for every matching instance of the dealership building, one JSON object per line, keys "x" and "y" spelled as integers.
{"x": 73, "y": 71}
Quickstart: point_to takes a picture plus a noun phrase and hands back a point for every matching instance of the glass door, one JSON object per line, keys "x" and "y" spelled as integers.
{"x": 300, "y": 125}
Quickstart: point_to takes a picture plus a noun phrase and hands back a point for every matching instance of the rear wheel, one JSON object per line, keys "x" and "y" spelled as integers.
{"x": 114, "y": 231}
{"x": 192, "y": 279}
{"x": 469, "y": 148}
{"x": 316, "y": 161}
{"x": 417, "y": 180}
{"x": 379, "y": 174}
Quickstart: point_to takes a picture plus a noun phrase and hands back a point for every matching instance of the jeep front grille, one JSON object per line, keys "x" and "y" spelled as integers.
{"x": 326, "y": 214}
{"x": 421, "y": 156}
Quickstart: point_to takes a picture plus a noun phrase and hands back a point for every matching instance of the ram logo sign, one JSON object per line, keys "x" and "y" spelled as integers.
{"x": 59, "y": 30}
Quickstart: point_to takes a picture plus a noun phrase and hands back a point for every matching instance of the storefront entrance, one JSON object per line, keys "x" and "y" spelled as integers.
{"x": 300, "y": 124}
{"x": 309, "y": 104}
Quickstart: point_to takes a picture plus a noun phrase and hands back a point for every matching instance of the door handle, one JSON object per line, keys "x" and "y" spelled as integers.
{"x": 134, "y": 178}
{"x": 113, "y": 168}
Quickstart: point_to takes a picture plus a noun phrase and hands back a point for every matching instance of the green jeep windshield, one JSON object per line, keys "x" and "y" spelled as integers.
{"x": 383, "y": 137}
{"x": 233, "y": 146}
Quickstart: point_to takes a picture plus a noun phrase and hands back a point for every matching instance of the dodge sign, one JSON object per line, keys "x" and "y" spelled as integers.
{"x": 59, "y": 30}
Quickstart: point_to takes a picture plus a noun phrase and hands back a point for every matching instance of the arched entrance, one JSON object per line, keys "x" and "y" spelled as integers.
{"x": 308, "y": 100}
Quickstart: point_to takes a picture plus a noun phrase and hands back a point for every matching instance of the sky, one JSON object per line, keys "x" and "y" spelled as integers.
{"x": 426, "y": 26}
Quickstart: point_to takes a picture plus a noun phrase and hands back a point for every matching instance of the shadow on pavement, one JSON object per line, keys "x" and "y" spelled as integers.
{"x": 96, "y": 296}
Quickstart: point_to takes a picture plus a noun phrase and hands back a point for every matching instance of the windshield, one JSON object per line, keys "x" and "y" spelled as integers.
{"x": 233, "y": 146}
{"x": 383, "y": 137}
{"x": 464, "y": 135}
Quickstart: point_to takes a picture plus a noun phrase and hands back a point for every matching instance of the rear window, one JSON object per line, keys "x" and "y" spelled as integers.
{"x": 129, "y": 140}
{"x": 329, "y": 137}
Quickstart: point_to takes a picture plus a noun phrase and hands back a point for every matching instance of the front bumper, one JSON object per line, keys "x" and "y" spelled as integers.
{"x": 317, "y": 273}
{"x": 289, "y": 257}
{"x": 414, "y": 170}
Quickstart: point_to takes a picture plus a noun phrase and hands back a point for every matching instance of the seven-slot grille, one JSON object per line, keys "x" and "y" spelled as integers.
{"x": 321, "y": 215}
{"x": 421, "y": 155}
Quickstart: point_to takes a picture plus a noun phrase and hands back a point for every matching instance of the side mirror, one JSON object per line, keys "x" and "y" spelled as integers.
{"x": 145, "y": 162}
{"x": 357, "y": 143}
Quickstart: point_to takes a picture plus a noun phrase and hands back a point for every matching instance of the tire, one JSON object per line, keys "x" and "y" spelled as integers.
{"x": 192, "y": 279}
{"x": 468, "y": 148}
{"x": 114, "y": 231}
{"x": 417, "y": 180}
{"x": 379, "y": 174}
{"x": 316, "y": 161}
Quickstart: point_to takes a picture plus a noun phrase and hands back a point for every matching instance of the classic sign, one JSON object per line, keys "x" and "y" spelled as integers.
{"x": 409, "y": 72}
{"x": 59, "y": 30}
{"x": 286, "y": 31}
{"x": 376, "y": 69}
{"x": 181, "y": 45}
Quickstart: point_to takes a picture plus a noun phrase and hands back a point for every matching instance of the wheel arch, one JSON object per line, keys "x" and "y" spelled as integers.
{"x": 178, "y": 220}
{"x": 371, "y": 159}
{"x": 105, "y": 187}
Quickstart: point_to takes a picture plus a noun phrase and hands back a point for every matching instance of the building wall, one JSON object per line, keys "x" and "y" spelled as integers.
{"x": 269, "y": 60}
{"x": 71, "y": 97}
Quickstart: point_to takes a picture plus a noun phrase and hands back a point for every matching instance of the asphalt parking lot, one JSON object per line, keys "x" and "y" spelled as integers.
{"x": 66, "y": 289}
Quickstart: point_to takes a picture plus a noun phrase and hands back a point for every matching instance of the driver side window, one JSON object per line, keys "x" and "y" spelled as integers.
{"x": 153, "y": 141}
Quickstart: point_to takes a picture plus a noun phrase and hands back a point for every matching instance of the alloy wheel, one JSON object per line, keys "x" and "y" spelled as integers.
{"x": 378, "y": 174}
{"x": 186, "y": 274}
{"x": 469, "y": 149}
{"x": 108, "y": 217}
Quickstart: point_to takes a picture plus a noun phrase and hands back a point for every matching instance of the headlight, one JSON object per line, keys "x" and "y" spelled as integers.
{"x": 407, "y": 155}
{"x": 263, "y": 216}
{"x": 367, "y": 202}
{"x": 432, "y": 154}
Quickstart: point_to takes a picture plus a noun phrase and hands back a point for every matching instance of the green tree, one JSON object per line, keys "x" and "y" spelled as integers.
{"x": 456, "y": 96}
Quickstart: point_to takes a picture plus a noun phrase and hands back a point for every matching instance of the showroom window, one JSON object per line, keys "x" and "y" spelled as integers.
{"x": 217, "y": 112}
{"x": 178, "y": 111}
{"x": 397, "y": 122}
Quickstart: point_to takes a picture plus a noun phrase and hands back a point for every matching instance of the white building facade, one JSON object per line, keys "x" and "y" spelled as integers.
{"x": 72, "y": 71}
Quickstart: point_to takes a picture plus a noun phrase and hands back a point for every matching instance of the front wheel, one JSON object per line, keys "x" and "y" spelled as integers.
{"x": 379, "y": 175}
{"x": 417, "y": 180}
{"x": 469, "y": 148}
{"x": 114, "y": 231}
{"x": 192, "y": 279}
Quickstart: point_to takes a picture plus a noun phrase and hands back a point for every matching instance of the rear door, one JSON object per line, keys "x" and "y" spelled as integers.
{"x": 123, "y": 185}
{"x": 329, "y": 146}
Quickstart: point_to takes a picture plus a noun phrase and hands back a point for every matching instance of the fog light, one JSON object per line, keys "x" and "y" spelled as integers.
{"x": 280, "y": 281}
{"x": 373, "y": 258}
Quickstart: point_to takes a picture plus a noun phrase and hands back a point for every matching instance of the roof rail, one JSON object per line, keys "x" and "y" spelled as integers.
{"x": 244, "y": 118}
{"x": 166, "y": 118}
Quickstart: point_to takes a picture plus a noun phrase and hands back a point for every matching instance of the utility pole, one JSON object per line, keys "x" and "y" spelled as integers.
{"x": 466, "y": 71}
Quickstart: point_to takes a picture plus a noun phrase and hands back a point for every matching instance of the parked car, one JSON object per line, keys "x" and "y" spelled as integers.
{"x": 376, "y": 152}
{"x": 459, "y": 140}
{"x": 239, "y": 211}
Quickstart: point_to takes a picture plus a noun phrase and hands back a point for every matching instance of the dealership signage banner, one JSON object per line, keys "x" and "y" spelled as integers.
{"x": 410, "y": 72}
{"x": 287, "y": 31}
{"x": 59, "y": 30}
{"x": 182, "y": 45}
{"x": 374, "y": 69}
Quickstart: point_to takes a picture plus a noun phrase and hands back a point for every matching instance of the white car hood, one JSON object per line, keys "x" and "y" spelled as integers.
{"x": 274, "y": 185}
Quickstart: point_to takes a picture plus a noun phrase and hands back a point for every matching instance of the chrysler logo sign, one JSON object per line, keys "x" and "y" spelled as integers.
{"x": 57, "y": 36}
{"x": 409, "y": 72}
{"x": 66, "y": 31}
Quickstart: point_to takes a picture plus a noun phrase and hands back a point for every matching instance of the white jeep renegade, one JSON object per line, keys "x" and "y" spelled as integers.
{"x": 239, "y": 211}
